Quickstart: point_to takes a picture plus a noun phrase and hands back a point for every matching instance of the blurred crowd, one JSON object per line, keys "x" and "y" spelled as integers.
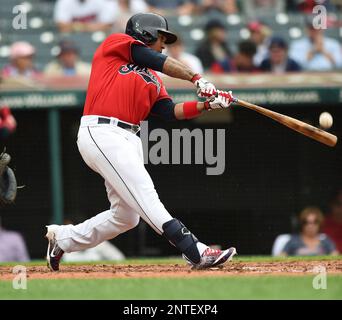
{"x": 110, "y": 11}
{"x": 261, "y": 51}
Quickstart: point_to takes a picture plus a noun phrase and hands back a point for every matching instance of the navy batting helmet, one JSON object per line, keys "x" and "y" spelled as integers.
{"x": 146, "y": 26}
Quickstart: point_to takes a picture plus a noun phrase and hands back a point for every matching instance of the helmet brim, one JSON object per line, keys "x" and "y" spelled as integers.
{"x": 170, "y": 37}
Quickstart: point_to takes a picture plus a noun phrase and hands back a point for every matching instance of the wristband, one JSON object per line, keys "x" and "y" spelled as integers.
{"x": 190, "y": 109}
{"x": 196, "y": 77}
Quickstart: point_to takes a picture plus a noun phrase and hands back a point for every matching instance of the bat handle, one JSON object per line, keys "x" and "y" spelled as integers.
{"x": 234, "y": 100}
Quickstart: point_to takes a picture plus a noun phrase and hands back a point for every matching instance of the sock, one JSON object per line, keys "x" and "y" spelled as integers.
{"x": 201, "y": 247}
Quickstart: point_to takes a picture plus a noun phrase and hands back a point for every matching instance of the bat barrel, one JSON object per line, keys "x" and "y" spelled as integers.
{"x": 292, "y": 123}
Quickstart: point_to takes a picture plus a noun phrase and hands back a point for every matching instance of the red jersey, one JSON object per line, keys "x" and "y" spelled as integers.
{"x": 334, "y": 230}
{"x": 119, "y": 88}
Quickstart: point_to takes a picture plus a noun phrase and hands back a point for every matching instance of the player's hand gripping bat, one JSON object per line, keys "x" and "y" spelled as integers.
{"x": 294, "y": 124}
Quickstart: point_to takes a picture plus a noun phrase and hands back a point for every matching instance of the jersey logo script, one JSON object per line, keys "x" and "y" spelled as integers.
{"x": 142, "y": 72}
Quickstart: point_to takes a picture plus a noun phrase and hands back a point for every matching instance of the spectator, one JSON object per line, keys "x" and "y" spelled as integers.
{"x": 256, "y": 8}
{"x": 12, "y": 246}
{"x": 127, "y": 8}
{"x": 278, "y": 61}
{"x": 310, "y": 242}
{"x": 306, "y": 6}
{"x": 333, "y": 222}
{"x": 8, "y": 123}
{"x": 68, "y": 63}
{"x": 176, "y": 51}
{"x": 316, "y": 52}
{"x": 243, "y": 60}
{"x": 21, "y": 61}
{"x": 172, "y": 7}
{"x": 260, "y": 35}
{"x": 224, "y": 6}
{"x": 213, "y": 51}
{"x": 85, "y": 15}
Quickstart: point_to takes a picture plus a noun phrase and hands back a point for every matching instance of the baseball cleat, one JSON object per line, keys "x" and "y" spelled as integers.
{"x": 54, "y": 252}
{"x": 213, "y": 258}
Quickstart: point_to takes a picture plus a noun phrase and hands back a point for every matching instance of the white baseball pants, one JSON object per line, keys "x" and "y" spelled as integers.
{"x": 117, "y": 155}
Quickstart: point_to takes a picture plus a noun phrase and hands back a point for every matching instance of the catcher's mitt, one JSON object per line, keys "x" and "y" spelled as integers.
{"x": 8, "y": 182}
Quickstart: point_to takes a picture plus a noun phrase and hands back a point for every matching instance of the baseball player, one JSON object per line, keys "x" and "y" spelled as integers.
{"x": 123, "y": 90}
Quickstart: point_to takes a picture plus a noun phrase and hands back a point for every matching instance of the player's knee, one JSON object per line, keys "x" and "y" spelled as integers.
{"x": 132, "y": 223}
{"x": 182, "y": 239}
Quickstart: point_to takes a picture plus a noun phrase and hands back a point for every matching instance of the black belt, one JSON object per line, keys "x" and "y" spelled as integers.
{"x": 135, "y": 128}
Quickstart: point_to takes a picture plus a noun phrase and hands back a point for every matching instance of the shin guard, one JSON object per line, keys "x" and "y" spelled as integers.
{"x": 179, "y": 236}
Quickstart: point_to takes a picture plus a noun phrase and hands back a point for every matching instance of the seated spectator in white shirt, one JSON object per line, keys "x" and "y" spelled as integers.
{"x": 12, "y": 246}
{"x": 316, "y": 52}
{"x": 85, "y": 15}
{"x": 67, "y": 63}
{"x": 172, "y": 7}
{"x": 128, "y": 8}
{"x": 176, "y": 51}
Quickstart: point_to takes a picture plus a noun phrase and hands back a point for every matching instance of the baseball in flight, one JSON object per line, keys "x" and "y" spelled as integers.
{"x": 325, "y": 120}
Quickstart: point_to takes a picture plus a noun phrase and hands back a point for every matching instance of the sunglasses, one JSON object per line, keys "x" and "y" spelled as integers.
{"x": 306, "y": 222}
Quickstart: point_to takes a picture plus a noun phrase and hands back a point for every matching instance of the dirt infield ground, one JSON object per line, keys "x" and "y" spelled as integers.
{"x": 99, "y": 271}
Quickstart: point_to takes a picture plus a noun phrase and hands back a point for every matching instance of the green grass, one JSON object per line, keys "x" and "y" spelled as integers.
{"x": 220, "y": 287}
{"x": 213, "y": 288}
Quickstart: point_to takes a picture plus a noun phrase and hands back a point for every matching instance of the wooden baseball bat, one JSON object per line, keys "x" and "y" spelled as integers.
{"x": 294, "y": 124}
